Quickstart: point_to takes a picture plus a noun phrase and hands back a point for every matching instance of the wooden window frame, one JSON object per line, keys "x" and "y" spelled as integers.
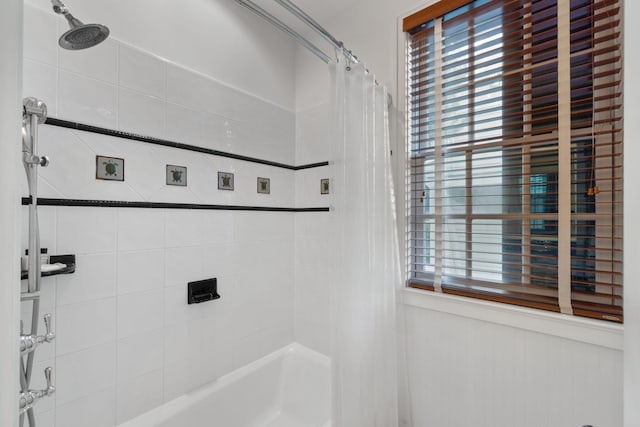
{"x": 563, "y": 302}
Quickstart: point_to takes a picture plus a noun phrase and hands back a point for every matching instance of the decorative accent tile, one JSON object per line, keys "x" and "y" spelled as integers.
{"x": 109, "y": 168}
{"x": 225, "y": 181}
{"x": 264, "y": 185}
{"x": 177, "y": 175}
{"x": 324, "y": 186}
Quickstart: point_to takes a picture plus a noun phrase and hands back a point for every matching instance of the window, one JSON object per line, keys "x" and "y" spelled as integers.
{"x": 515, "y": 153}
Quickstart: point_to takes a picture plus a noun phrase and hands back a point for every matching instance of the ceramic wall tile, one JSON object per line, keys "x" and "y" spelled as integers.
{"x": 145, "y": 344}
{"x": 40, "y": 36}
{"x": 140, "y": 354}
{"x": 139, "y": 395}
{"x": 85, "y": 100}
{"x": 142, "y": 71}
{"x": 139, "y": 313}
{"x": 86, "y": 230}
{"x": 141, "y": 114}
{"x": 84, "y": 325}
{"x": 85, "y": 372}
{"x": 140, "y": 271}
{"x": 96, "y": 409}
{"x": 140, "y": 229}
{"x": 41, "y": 81}
{"x": 100, "y": 62}
{"x": 94, "y": 278}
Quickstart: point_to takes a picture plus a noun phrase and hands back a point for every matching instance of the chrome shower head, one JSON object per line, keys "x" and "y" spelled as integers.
{"x": 83, "y": 36}
{"x": 79, "y": 36}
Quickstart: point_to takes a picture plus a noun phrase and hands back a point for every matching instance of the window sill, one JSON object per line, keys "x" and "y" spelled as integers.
{"x": 589, "y": 331}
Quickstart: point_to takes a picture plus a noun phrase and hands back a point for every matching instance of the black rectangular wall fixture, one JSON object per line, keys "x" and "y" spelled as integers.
{"x": 202, "y": 291}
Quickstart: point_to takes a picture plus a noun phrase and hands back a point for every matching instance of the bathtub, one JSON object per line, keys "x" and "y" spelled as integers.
{"x": 287, "y": 388}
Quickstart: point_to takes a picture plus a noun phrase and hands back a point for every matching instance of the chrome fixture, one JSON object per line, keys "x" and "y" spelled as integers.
{"x": 29, "y": 398}
{"x": 28, "y": 343}
{"x": 80, "y": 35}
{"x": 307, "y": 20}
{"x": 284, "y": 27}
{"x": 34, "y": 113}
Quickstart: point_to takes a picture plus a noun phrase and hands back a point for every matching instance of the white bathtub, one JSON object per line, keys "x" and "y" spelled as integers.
{"x": 288, "y": 388}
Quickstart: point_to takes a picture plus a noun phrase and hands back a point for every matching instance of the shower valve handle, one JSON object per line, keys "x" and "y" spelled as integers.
{"x": 28, "y": 399}
{"x": 49, "y": 336}
{"x": 47, "y": 322}
{"x": 50, "y": 387}
{"x": 28, "y": 343}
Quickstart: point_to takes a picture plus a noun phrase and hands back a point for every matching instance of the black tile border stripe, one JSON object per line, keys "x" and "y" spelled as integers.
{"x": 166, "y": 143}
{"x": 155, "y": 205}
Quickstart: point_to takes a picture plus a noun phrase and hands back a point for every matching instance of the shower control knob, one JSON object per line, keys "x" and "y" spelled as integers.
{"x": 50, "y": 387}
{"x": 47, "y": 324}
{"x": 44, "y": 161}
{"x": 28, "y": 343}
{"x": 27, "y": 399}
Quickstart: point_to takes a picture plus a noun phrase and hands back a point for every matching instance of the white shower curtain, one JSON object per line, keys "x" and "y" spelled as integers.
{"x": 365, "y": 254}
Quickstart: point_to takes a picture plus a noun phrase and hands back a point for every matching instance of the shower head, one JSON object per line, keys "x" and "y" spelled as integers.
{"x": 79, "y": 36}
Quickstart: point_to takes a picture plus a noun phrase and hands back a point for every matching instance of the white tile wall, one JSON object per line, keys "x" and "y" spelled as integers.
{"x": 141, "y": 114}
{"x": 84, "y": 325}
{"x": 139, "y": 313}
{"x": 82, "y": 373}
{"x": 41, "y": 80}
{"x": 99, "y": 62}
{"x": 46, "y": 419}
{"x": 95, "y": 410}
{"x": 312, "y": 320}
{"x": 94, "y": 279}
{"x": 40, "y": 36}
{"x": 86, "y": 231}
{"x": 312, "y": 134}
{"x": 140, "y": 354}
{"x": 85, "y": 100}
{"x": 140, "y": 229}
{"x": 126, "y": 339}
{"x": 138, "y": 395}
{"x": 140, "y": 271}
{"x": 141, "y": 72}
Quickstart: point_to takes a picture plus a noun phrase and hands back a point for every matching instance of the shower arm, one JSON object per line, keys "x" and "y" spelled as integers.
{"x": 62, "y": 9}
{"x": 59, "y": 7}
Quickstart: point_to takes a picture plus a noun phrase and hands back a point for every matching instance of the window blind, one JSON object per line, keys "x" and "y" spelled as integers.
{"x": 515, "y": 154}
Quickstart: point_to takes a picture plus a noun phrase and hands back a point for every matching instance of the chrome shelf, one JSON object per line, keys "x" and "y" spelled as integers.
{"x": 69, "y": 260}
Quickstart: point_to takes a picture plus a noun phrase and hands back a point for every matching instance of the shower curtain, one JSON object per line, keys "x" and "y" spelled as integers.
{"x": 366, "y": 271}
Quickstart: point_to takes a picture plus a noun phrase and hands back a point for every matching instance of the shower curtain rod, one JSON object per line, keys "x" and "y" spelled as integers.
{"x": 284, "y": 27}
{"x": 309, "y": 21}
{"x": 304, "y": 17}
